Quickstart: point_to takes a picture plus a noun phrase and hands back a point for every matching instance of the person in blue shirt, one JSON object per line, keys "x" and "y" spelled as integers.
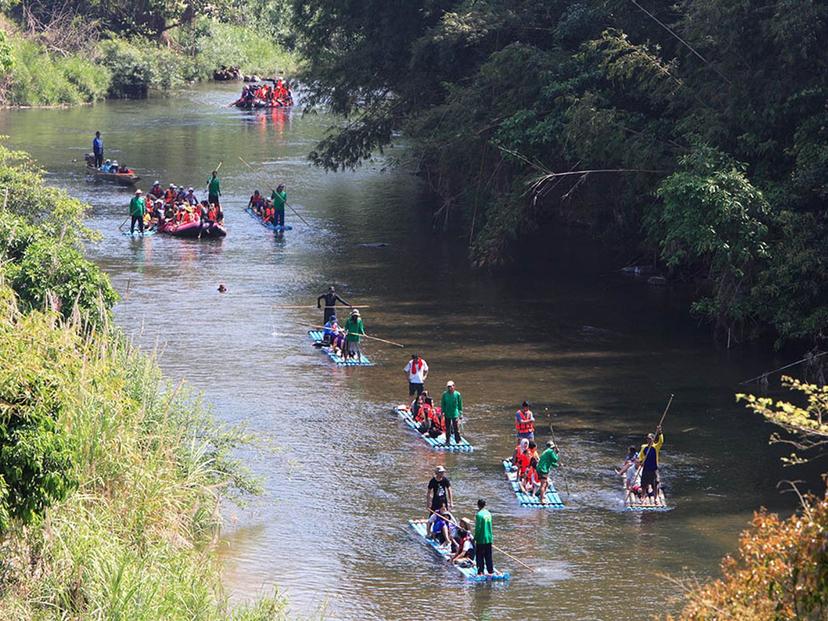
{"x": 97, "y": 149}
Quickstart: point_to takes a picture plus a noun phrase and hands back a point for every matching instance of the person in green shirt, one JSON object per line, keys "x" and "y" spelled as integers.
{"x": 137, "y": 209}
{"x": 451, "y": 405}
{"x": 548, "y": 460}
{"x": 279, "y": 200}
{"x": 483, "y": 538}
{"x": 213, "y": 189}
{"x": 354, "y": 329}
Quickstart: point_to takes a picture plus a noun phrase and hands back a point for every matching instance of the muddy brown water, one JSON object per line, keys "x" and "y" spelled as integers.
{"x": 596, "y": 355}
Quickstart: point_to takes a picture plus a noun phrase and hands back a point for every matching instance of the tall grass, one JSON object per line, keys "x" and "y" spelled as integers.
{"x": 133, "y": 541}
{"x": 252, "y": 50}
{"x": 40, "y": 79}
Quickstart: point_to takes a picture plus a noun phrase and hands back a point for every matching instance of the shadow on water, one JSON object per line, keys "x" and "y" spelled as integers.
{"x": 596, "y": 354}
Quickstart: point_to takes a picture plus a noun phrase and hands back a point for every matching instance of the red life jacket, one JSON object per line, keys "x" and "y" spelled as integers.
{"x": 436, "y": 417}
{"x": 524, "y": 425}
{"x": 530, "y": 477}
{"x": 169, "y": 196}
{"x": 522, "y": 462}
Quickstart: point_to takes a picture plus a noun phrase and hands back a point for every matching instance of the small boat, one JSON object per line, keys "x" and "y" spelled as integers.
{"x": 123, "y": 178}
{"x": 553, "y": 499}
{"x": 259, "y": 104}
{"x": 316, "y": 337}
{"x": 632, "y": 501}
{"x": 438, "y": 443}
{"x": 193, "y": 230}
{"x": 469, "y": 572}
{"x": 276, "y": 228}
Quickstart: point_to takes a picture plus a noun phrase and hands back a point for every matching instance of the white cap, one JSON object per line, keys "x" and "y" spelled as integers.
{"x": 439, "y": 469}
{"x": 449, "y": 383}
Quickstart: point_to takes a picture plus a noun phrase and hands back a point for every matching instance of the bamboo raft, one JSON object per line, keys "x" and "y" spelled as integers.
{"x": 632, "y": 502}
{"x": 553, "y": 499}
{"x": 438, "y": 443}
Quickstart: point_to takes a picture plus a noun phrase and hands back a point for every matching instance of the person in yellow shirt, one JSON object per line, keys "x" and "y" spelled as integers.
{"x": 648, "y": 458}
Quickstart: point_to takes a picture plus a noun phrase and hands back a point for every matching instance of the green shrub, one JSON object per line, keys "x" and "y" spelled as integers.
{"x": 38, "y": 78}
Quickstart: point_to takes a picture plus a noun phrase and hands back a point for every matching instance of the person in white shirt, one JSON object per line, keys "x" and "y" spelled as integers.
{"x": 417, "y": 371}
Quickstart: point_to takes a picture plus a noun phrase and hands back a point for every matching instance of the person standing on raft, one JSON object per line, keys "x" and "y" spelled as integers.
{"x": 549, "y": 459}
{"x": 97, "y": 149}
{"x": 417, "y": 372}
{"x": 137, "y": 210}
{"x": 483, "y": 538}
{"x": 451, "y": 404}
{"x": 213, "y": 189}
{"x": 279, "y": 200}
{"x": 330, "y": 299}
{"x": 648, "y": 457}
{"x": 525, "y": 422}
{"x": 354, "y": 329}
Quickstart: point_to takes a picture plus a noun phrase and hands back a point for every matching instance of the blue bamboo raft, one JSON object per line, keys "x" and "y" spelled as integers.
{"x": 276, "y": 228}
{"x": 469, "y": 573}
{"x": 553, "y": 499}
{"x": 316, "y": 337}
{"x": 147, "y": 233}
{"x": 438, "y": 443}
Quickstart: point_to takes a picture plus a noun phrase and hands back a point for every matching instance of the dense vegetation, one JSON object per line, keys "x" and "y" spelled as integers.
{"x": 693, "y": 130}
{"x": 110, "y": 479}
{"x": 78, "y": 51}
{"x": 780, "y": 571}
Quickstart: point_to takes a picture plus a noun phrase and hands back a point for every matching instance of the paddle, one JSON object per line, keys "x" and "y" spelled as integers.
{"x": 271, "y": 189}
{"x": 501, "y": 550}
{"x": 648, "y": 450}
{"x": 316, "y": 307}
{"x": 376, "y": 338}
{"x": 563, "y": 475}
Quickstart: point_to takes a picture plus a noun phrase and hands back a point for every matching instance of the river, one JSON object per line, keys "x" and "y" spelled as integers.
{"x": 595, "y": 354}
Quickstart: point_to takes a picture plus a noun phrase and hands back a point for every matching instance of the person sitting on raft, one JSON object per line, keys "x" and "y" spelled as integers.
{"x": 432, "y": 423}
{"x": 629, "y": 469}
{"x": 440, "y": 527}
{"x": 530, "y": 480}
{"x": 170, "y": 194}
{"x": 416, "y": 406}
{"x": 333, "y": 335}
{"x": 190, "y": 197}
{"x": 463, "y": 545}
{"x": 520, "y": 459}
{"x": 268, "y": 213}
{"x": 256, "y": 203}
{"x": 156, "y": 191}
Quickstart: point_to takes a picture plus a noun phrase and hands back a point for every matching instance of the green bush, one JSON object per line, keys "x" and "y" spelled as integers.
{"x": 132, "y": 542}
{"x": 38, "y": 78}
{"x": 216, "y": 44}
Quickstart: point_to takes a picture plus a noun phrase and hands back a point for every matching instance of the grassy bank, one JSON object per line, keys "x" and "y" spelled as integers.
{"x": 110, "y": 477}
{"x": 32, "y": 75}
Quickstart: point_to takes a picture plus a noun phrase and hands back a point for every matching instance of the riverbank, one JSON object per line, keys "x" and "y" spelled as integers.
{"x": 110, "y": 476}
{"x": 33, "y": 75}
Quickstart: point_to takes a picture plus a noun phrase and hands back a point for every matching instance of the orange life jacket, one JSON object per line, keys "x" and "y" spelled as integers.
{"x": 169, "y": 196}
{"x": 530, "y": 477}
{"x": 424, "y": 413}
{"x": 524, "y": 425}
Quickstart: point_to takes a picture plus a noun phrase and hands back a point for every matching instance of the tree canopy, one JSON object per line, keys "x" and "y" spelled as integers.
{"x": 705, "y": 120}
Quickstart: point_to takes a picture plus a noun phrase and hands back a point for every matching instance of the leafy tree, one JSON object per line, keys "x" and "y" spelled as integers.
{"x": 601, "y": 115}
{"x": 807, "y": 427}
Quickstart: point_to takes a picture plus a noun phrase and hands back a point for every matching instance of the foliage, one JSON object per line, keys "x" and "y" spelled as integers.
{"x": 807, "y": 426}
{"x": 780, "y": 572}
{"x": 710, "y": 214}
{"x": 36, "y": 77}
{"x": 40, "y": 235}
{"x": 146, "y": 464}
{"x": 500, "y": 98}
